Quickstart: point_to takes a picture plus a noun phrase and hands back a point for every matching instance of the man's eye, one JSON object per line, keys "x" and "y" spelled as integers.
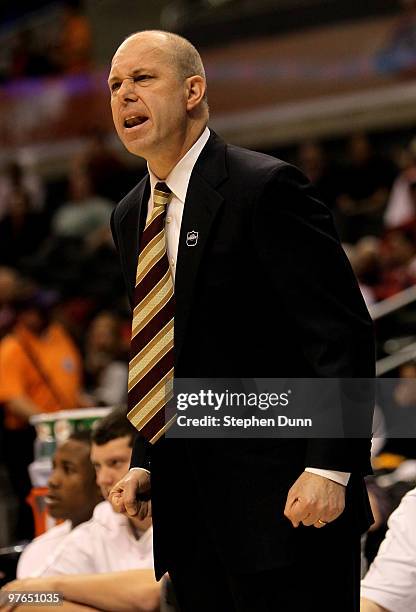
{"x": 115, "y": 86}
{"x": 141, "y": 77}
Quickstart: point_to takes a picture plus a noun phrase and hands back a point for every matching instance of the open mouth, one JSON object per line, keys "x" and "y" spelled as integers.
{"x": 50, "y": 500}
{"x": 132, "y": 122}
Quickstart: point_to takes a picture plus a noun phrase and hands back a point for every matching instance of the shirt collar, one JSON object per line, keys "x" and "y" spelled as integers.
{"x": 179, "y": 177}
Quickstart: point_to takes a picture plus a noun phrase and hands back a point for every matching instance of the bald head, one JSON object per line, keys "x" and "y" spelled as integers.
{"x": 180, "y": 53}
{"x": 158, "y": 97}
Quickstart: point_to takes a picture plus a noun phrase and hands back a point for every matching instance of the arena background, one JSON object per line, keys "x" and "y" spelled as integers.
{"x": 329, "y": 85}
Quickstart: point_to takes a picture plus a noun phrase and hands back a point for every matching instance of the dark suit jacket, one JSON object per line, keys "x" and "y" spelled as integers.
{"x": 266, "y": 292}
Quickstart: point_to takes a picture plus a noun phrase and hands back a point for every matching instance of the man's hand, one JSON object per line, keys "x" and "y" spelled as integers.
{"x": 131, "y": 494}
{"x": 27, "y": 584}
{"x": 370, "y": 606}
{"x": 314, "y": 500}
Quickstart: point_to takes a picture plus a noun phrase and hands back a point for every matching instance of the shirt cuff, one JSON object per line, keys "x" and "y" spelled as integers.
{"x": 139, "y": 468}
{"x": 339, "y": 477}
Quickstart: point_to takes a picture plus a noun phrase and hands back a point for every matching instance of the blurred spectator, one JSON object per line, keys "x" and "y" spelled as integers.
{"x": 21, "y": 55}
{"x": 105, "y": 362}
{"x": 71, "y": 498}
{"x": 409, "y": 226}
{"x": 110, "y": 177}
{"x": 364, "y": 189}
{"x": 22, "y": 230}
{"x": 40, "y": 367}
{"x": 398, "y": 54}
{"x": 405, "y": 392}
{"x": 401, "y": 206}
{"x": 40, "y": 371}
{"x": 386, "y": 266}
{"x": 399, "y": 409}
{"x": 109, "y": 541}
{"x": 9, "y": 292}
{"x": 28, "y": 59}
{"x": 390, "y": 585}
{"x": 365, "y": 261}
{"x": 85, "y": 214}
{"x": 75, "y": 44}
{"x": 79, "y": 259}
{"x": 398, "y": 263}
{"x": 15, "y": 178}
{"x": 323, "y": 174}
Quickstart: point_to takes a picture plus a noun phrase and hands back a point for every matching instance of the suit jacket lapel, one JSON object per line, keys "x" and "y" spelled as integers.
{"x": 201, "y": 206}
{"x": 132, "y": 224}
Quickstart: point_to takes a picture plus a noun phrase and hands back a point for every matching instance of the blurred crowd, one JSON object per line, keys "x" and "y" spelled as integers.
{"x": 373, "y": 199}
{"x": 36, "y": 51}
{"x": 64, "y": 318}
{"x": 57, "y": 233}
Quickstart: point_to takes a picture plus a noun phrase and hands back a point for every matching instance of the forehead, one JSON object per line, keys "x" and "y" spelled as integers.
{"x": 139, "y": 53}
{"x": 73, "y": 451}
{"x": 116, "y": 447}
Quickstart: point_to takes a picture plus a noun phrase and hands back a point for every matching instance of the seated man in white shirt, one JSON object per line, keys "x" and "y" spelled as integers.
{"x": 109, "y": 542}
{"x": 390, "y": 583}
{"x": 106, "y": 544}
{"x": 129, "y": 591}
{"x": 72, "y": 496}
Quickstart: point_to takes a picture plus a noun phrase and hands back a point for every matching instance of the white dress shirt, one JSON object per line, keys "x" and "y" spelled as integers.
{"x": 105, "y": 543}
{"x": 178, "y": 181}
{"x": 391, "y": 579}
{"x": 36, "y": 556}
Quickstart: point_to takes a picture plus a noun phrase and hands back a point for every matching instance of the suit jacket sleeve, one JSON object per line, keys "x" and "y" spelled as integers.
{"x": 141, "y": 453}
{"x": 296, "y": 242}
{"x": 114, "y": 231}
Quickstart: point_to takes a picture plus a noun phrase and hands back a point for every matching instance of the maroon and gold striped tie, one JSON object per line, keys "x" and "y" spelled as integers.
{"x": 150, "y": 384}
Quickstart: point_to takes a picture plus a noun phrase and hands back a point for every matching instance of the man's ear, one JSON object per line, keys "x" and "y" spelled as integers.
{"x": 196, "y": 87}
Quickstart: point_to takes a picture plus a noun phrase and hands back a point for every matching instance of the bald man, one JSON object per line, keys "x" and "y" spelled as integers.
{"x": 262, "y": 288}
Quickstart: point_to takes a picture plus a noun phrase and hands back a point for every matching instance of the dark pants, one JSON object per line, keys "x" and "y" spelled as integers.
{"x": 18, "y": 454}
{"x": 325, "y": 576}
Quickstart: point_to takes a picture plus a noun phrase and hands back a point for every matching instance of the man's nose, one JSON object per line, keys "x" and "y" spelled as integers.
{"x": 127, "y": 91}
{"x": 53, "y": 480}
{"x": 105, "y": 478}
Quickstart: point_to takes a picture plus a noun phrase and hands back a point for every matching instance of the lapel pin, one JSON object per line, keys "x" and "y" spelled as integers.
{"x": 191, "y": 238}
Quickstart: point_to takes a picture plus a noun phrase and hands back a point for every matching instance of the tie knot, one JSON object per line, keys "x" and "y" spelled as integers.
{"x": 162, "y": 194}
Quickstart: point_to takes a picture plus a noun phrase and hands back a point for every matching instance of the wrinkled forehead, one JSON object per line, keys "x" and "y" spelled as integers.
{"x": 140, "y": 52}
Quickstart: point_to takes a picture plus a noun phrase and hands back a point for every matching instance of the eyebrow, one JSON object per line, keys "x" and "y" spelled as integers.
{"x": 134, "y": 73}
{"x": 119, "y": 457}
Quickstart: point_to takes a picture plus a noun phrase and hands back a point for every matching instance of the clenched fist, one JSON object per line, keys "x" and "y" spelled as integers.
{"x": 314, "y": 500}
{"x": 131, "y": 495}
